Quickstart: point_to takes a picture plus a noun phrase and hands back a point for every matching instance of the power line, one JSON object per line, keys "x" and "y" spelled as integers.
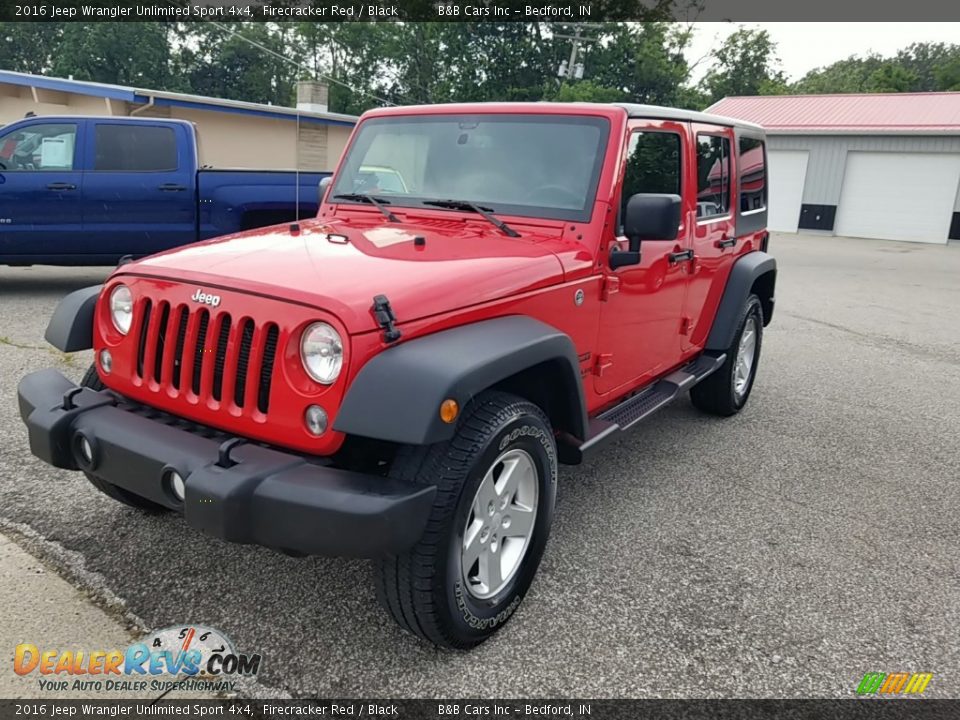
{"x": 300, "y": 66}
{"x": 283, "y": 57}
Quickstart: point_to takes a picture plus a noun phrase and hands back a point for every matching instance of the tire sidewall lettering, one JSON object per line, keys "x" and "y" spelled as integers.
{"x": 483, "y": 615}
{"x": 537, "y": 433}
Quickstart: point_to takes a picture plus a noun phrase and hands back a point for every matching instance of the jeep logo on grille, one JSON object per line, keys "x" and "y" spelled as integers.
{"x": 201, "y": 297}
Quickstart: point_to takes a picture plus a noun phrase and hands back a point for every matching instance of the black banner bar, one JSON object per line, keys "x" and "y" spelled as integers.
{"x": 499, "y": 11}
{"x": 874, "y": 708}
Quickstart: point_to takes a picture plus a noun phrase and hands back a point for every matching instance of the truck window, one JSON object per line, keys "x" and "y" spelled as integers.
{"x": 49, "y": 146}
{"x": 753, "y": 175}
{"x": 134, "y": 148}
{"x": 713, "y": 176}
{"x": 653, "y": 165}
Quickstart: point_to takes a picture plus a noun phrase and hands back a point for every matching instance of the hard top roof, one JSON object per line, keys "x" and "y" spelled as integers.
{"x": 658, "y": 112}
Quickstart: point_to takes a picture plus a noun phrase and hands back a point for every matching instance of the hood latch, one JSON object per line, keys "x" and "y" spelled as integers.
{"x": 385, "y": 318}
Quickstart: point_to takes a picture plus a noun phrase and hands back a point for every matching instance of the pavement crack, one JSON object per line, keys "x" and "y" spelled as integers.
{"x": 4, "y": 340}
{"x": 72, "y": 567}
{"x": 884, "y": 341}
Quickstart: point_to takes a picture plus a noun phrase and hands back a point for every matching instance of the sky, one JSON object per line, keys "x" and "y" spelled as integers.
{"x": 805, "y": 46}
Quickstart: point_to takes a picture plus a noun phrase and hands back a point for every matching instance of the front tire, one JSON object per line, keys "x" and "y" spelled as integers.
{"x": 496, "y": 489}
{"x": 726, "y": 391}
{"x": 92, "y": 380}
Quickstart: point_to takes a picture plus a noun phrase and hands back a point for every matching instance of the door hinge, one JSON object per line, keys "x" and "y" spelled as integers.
{"x": 611, "y": 285}
{"x": 604, "y": 362}
{"x": 686, "y": 325}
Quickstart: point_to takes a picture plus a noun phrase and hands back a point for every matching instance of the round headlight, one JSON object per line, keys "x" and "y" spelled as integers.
{"x": 121, "y": 308}
{"x": 321, "y": 350}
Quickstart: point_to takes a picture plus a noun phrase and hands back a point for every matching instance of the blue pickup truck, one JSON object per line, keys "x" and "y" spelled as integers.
{"x": 90, "y": 190}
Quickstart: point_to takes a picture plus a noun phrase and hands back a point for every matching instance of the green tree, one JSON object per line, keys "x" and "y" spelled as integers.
{"x": 844, "y": 76}
{"x": 123, "y": 53}
{"x": 947, "y": 76}
{"x": 586, "y": 91}
{"x": 29, "y": 46}
{"x": 644, "y": 61}
{"x": 745, "y": 64}
{"x": 924, "y": 61}
{"x": 892, "y": 78}
{"x": 239, "y": 61}
{"x": 920, "y": 67}
{"x": 354, "y": 59}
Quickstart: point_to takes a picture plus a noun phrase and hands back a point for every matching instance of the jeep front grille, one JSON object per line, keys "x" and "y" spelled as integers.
{"x": 206, "y": 354}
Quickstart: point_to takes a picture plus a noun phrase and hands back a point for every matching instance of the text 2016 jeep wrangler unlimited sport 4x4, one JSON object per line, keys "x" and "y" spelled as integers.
{"x": 487, "y": 291}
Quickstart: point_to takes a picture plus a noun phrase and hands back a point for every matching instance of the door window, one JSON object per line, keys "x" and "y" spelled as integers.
{"x": 713, "y": 176}
{"x": 135, "y": 148}
{"x": 753, "y": 175}
{"x": 653, "y": 165}
{"x": 48, "y": 146}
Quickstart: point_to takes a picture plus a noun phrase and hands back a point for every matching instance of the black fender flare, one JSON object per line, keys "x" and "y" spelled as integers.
{"x": 71, "y": 327}
{"x": 744, "y": 274}
{"x": 396, "y": 396}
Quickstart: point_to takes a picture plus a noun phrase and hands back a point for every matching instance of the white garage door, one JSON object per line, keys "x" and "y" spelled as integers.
{"x": 788, "y": 172}
{"x": 898, "y": 196}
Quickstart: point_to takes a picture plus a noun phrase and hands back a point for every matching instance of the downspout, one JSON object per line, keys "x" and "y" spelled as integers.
{"x": 140, "y": 109}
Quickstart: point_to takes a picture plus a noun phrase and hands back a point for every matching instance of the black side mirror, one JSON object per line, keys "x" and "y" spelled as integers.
{"x": 322, "y": 187}
{"x": 651, "y": 216}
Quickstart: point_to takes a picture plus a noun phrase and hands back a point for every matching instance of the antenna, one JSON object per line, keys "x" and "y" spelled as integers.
{"x": 296, "y": 160}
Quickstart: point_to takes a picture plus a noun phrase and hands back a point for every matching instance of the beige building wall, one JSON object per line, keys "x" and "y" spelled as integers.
{"x": 16, "y": 101}
{"x": 227, "y": 139}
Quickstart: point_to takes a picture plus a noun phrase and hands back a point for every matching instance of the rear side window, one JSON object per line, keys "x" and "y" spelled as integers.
{"x": 753, "y": 175}
{"x": 713, "y": 176}
{"x": 135, "y": 148}
{"x": 653, "y": 165}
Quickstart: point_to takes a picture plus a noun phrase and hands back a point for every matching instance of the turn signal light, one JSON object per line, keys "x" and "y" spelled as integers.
{"x": 449, "y": 409}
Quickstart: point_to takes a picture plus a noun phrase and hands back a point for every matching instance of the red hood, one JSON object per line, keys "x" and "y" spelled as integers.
{"x": 340, "y": 265}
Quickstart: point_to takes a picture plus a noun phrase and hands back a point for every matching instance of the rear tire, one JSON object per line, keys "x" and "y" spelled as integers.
{"x": 496, "y": 488}
{"x": 727, "y": 390}
{"x": 92, "y": 380}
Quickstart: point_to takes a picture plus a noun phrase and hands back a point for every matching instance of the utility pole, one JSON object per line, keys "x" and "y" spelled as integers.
{"x": 572, "y": 69}
{"x": 574, "y": 51}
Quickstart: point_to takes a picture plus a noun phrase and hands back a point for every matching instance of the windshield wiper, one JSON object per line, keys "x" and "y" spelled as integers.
{"x": 484, "y": 212}
{"x": 377, "y": 202}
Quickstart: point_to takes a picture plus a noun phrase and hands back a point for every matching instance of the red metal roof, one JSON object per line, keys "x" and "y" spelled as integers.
{"x": 910, "y": 113}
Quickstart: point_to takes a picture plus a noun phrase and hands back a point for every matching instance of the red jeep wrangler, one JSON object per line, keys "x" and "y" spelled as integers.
{"x": 487, "y": 291}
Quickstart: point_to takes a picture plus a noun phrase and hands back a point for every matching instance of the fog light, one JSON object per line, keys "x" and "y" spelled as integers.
{"x": 315, "y": 418}
{"x": 177, "y": 486}
{"x": 86, "y": 450}
{"x": 106, "y": 361}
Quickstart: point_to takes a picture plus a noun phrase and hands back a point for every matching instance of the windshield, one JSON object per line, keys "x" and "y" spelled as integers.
{"x": 527, "y": 165}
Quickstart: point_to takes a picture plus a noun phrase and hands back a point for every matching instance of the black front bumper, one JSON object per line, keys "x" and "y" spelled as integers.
{"x": 250, "y": 494}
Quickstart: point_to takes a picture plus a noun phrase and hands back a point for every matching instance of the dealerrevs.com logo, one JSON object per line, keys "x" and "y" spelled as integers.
{"x": 901, "y": 683}
{"x": 183, "y": 657}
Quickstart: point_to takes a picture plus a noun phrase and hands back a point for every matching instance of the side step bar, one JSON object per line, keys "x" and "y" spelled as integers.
{"x": 610, "y": 423}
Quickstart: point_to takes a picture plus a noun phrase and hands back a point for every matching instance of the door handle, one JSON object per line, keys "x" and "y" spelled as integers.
{"x": 61, "y": 186}
{"x": 676, "y": 257}
{"x": 171, "y": 187}
{"x": 726, "y": 242}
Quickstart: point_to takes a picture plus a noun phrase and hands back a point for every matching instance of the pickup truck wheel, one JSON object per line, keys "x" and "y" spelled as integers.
{"x": 496, "y": 488}
{"x": 726, "y": 391}
{"x": 92, "y": 381}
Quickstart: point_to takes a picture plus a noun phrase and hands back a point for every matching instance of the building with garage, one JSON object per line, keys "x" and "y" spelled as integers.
{"x": 883, "y": 166}
{"x": 232, "y": 134}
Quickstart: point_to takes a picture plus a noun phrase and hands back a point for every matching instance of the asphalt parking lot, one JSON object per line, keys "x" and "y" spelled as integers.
{"x": 781, "y": 553}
